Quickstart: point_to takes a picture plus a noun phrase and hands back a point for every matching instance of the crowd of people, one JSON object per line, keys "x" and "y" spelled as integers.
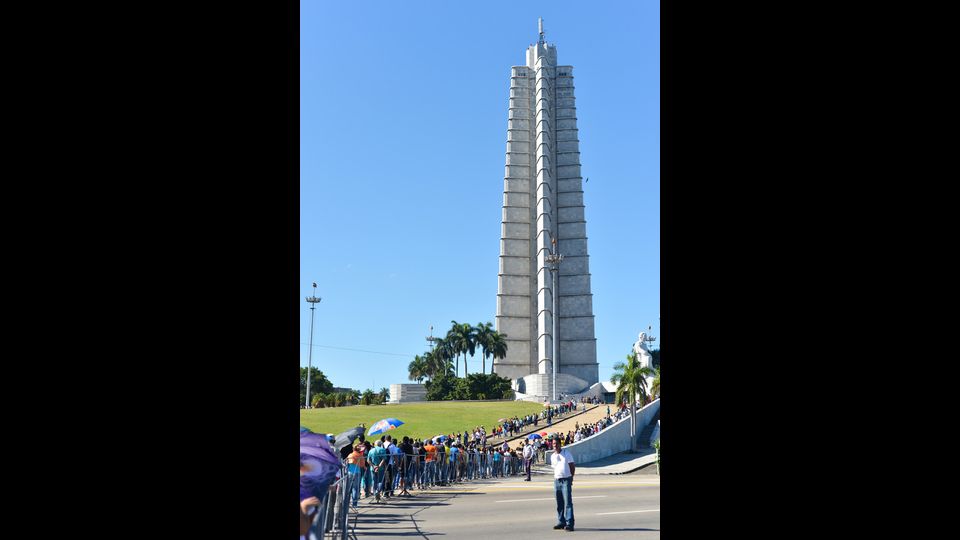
{"x": 385, "y": 468}
{"x": 578, "y": 433}
{"x": 513, "y": 426}
{"x": 389, "y": 468}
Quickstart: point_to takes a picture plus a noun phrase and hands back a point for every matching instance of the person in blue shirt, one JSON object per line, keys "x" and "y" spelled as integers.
{"x": 452, "y": 460}
{"x": 378, "y": 459}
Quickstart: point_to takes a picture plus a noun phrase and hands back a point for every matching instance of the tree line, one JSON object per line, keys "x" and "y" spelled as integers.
{"x": 441, "y": 364}
{"x": 322, "y": 393}
{"x": 462, "y": 339}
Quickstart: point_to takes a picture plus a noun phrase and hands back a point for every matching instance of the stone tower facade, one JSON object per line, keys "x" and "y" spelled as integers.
{"x": 543, "y": 202}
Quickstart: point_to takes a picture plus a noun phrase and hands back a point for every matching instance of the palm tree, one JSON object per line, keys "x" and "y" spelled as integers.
{"x": 418, "y": 368}
{"x": 441, "y": 358}
{"x": 368, "y": 397}
{"x": 453, "y": 346}
{"x": 484, "y": 333}
{"x": 383, "y": 395}
{"x": 463, "y": 339}
{"x": 631, "y": 382}
{"x": 655, "y": 385}
{"x": 429, "y": 364}
{"x": 355, "y": 397}
{"x": 498, "y": 348}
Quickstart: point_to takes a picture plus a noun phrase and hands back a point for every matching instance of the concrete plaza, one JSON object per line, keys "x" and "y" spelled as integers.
{"x": 605, "y": 506}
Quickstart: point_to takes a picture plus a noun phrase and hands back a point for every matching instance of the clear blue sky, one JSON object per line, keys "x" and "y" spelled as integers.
{"x": 403, "y": 118}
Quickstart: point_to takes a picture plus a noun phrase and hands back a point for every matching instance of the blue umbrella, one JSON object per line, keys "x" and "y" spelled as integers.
{"x": 534, "y": 436}
{"x": 384, "y": 425}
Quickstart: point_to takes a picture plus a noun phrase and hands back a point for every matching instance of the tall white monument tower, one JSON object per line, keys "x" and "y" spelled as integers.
{"x": 543, "y": 215}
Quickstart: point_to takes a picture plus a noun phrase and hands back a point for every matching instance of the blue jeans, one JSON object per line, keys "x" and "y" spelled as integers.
{"x": 408, "y": 480}
{"x": 355, "y": 487}
{"x": 378, "y": 480}
{"x": 429, "y": 471}
{"x": 368, "y": 480}
{"x": 562, "y": 486}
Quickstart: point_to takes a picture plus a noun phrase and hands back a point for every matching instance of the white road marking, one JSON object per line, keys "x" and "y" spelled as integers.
{"x": 580, "y": 484}
{"x": 628, "y": 512}
{"x": 554, "y": 498}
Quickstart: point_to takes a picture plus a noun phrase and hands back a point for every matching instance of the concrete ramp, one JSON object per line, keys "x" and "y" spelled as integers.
{"x": 615, "y": 439}
{"x": 622, "y": 463}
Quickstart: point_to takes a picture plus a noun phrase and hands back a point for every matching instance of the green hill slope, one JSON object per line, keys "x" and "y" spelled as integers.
{"x": 421, "y": 420}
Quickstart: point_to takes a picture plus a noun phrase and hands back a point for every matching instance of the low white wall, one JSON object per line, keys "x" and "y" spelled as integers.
{"x": 611, "y": 440}
{"x": 405, "y": 393}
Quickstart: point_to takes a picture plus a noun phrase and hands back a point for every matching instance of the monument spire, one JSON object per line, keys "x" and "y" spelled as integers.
{"x": 549, "y": 332}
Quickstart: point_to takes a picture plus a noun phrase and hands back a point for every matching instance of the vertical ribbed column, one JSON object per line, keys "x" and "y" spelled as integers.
{"x": 575, "y": 322}
{"x": 515, "y": 299}
{"x": 546, "y": 187}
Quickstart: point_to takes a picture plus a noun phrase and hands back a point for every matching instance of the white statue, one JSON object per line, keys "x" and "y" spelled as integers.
{"x": 642, "y": 352}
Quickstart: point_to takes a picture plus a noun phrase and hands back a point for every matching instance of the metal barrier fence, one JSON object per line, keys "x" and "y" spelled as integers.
{"x": 330, "y": 521}
{"x": 415, "y": 472}
{"x": 422, "y": 471}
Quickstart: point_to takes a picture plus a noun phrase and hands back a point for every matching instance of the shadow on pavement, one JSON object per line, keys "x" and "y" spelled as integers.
{"x": 614, "y": 529}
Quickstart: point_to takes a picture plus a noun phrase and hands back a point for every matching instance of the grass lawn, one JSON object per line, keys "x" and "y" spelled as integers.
{"x": 421, "y": 420}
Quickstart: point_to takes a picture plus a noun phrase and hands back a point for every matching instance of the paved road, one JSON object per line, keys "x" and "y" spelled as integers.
{"x": 604, "y": 507}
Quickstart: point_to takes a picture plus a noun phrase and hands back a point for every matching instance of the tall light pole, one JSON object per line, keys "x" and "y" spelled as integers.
{"x": 554, "y": 259}
{"x": 313, "y": 300}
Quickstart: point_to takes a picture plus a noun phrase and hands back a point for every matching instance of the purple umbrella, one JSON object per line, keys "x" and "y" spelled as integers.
{"x": 319, "y": 465}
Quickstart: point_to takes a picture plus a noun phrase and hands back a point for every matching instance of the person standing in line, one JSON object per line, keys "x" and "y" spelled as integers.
{"x": 563, "y": 471}
{"x": 356, "y": 464}
{"x": 527, "y": 458}
{"x": 377, "y": 458}
{"x": 407, "y": 465}
{"x": 430, "y": 453}
{"x": 368, "y": 471}
{"x": 389, "y": 475}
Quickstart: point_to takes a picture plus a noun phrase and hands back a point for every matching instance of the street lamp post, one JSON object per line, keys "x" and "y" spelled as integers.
{"x": 313, "y": 300}
{"x": 432, "y": 340}
{"x": 554, "y": 259}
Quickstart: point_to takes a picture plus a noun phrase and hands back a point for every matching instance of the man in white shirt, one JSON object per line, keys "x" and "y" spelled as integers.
{"x": 563, "y": 471}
